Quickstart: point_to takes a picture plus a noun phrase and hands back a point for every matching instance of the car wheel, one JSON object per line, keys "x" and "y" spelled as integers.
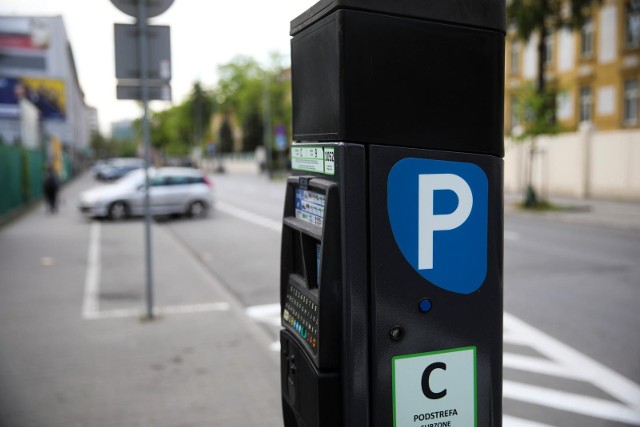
{"x": 197, "y": 209}
{"x": 118, "y": 211}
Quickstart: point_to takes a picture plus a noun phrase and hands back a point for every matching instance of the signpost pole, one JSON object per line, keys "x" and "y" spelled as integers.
{"x": 144, "y": 84}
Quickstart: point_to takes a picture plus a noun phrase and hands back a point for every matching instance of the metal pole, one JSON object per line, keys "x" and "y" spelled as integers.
{"x": 144, "y": 75}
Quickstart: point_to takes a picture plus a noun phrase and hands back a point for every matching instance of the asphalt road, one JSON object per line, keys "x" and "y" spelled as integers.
{"x": 572, "y": 346}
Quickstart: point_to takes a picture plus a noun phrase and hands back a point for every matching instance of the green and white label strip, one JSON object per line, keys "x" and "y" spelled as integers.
{"x": 313, "y": 159}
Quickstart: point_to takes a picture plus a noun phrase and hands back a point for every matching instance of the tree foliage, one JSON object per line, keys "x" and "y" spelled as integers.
{"x": 247, "y": 94}
{"x": 104, "y": 148}
{"x": 532, "y": 112}
{"x": 255, "y": 95}
{"x": 543, "y": 17}
{"x": 225, "y": 137}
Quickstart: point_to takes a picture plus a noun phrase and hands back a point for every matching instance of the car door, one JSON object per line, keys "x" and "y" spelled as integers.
{"x": 160, "y": 195}
{"x": 157, "y": 196}
{"x": 177, "y": 193}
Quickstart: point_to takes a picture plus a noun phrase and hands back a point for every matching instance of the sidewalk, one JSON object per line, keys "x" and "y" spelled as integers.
{"x": 601, "y": 213}
{"x": 64, "y": 362}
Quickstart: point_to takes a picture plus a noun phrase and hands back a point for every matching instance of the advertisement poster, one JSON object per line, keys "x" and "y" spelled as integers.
{"x": 48, "y": 95}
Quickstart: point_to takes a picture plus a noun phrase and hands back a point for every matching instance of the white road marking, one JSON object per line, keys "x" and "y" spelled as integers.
{"x": 250, "y": 216}
{"x": 572, "y": 402}
{"x": 576, "y": 365}
{"x": 540, "y": 366}
{"x": 123, "y": 313}
{"x": 509, "y": 421}
{"x": 275, "y": 346}
{"x": 91, "y": 302}
{"x": 268, "y": 314}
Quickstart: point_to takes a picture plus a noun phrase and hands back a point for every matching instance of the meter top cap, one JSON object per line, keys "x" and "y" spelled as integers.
{"x": 489, "y": 14}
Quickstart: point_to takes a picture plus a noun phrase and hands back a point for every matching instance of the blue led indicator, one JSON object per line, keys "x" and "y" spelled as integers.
{"x": 425, "y": 305}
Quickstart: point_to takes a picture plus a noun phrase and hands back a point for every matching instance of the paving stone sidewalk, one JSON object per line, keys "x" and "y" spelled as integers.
{"x": 59, "y": 368}
{"x": 605, "y": 213}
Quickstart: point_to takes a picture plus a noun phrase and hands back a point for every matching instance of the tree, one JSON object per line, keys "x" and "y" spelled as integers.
{"x": 535, "y": 118}
{"x": 176, "y": 130}
{"x": 225, "y": 137}
{"x": 242, "y": 90}
{"x": 543, "y": 17}
{"x": 537, "y": 107}
{"x": 201, "y": 108}
{"x": 100, "y": 146}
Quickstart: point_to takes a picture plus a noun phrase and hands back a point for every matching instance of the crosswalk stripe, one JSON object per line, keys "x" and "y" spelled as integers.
{"x": 509, "y": 421}
{"x": 571, "y": 402}
{"x": 539, "y": 366}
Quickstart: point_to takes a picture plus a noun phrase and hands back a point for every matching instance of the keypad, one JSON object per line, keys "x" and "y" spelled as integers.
{"x": 301, "y": 313}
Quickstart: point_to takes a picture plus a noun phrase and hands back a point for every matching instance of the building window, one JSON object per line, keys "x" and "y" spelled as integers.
{"x": 586, "y": 104}
{"x": 515, "y": 57}
{"x": 513, "y": 109}
{"x": 632, "y": 21}
{"x": 630, "y": 110}
{"x": 586, "y": 39}
{"x": 548, "y": 50}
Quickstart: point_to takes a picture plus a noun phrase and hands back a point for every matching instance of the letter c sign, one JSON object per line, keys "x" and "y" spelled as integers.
{"x": 426, "y": 387}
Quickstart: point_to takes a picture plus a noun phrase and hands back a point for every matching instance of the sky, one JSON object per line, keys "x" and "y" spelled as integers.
{"x": 204, "y": 35}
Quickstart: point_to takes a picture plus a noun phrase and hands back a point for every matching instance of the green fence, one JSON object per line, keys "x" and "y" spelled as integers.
{"x": 21, "y": 175}
{"x": 10, "y": 178}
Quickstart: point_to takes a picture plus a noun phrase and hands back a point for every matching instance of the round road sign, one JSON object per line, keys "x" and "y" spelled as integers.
{"x": 154, "y": 7}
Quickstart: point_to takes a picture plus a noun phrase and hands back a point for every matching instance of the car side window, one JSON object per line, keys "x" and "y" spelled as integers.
{"x": 157, "y": 181}
{"x": 177, "y": 180}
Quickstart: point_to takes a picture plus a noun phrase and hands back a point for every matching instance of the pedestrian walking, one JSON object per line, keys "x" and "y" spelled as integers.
{"x": 50, "y": 188}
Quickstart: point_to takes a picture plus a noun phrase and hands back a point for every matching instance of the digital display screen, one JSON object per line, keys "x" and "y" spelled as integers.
{"x": 310, "y": 206}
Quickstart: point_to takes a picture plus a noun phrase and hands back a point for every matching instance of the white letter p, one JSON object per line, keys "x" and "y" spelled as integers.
{"x": 428, "y": 221}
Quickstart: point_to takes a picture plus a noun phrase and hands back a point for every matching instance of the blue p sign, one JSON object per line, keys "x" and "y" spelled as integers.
{"x": 438, "y": 211}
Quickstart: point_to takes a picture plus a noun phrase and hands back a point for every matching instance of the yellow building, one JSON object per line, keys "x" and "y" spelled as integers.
{"x": 597, "y": 69}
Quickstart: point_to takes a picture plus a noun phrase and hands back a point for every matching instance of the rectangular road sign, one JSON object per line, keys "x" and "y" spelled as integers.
{"x": 134, "y": 91}
{"x": 159, "y": 51}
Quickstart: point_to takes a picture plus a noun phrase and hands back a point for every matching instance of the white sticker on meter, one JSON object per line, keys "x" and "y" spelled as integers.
{"x": 329, "y": 161}
{"x": 436, "y": 389}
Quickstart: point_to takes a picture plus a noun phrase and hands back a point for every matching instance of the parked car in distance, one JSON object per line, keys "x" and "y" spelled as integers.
{"x": 116, "y": 168}
{"x": 172, "y": 190}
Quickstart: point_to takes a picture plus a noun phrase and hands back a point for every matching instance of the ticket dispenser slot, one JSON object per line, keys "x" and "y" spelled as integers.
{"x": 311, "y": 303}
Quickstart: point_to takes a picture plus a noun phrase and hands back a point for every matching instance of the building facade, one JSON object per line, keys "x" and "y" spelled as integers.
{"x": 596, "y": 69}
{"x": 37, "y": 67}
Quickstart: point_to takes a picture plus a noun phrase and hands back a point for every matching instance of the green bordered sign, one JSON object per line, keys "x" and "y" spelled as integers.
{"x": 313, "y": 159}
{"x": 436, "y": 389}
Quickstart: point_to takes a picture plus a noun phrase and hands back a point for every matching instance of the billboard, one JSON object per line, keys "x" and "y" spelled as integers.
{"x": 48, "y": 95}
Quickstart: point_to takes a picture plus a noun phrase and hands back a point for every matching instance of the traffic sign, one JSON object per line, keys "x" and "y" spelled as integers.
{"x": 444, "y": 204}
{"x": 154, "y": 7}
{"x": 134, "y": 91}
{"x": 158, "y": 51}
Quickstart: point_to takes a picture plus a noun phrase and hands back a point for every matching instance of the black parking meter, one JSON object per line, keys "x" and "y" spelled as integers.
{"x": 391, "y": 272}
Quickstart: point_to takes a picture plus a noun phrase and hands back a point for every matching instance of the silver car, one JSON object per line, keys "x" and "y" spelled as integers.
{"x": 172, "y": 190}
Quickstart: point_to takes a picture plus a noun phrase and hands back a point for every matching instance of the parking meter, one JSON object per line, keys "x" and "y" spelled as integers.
{"x": 391, "y": 262}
